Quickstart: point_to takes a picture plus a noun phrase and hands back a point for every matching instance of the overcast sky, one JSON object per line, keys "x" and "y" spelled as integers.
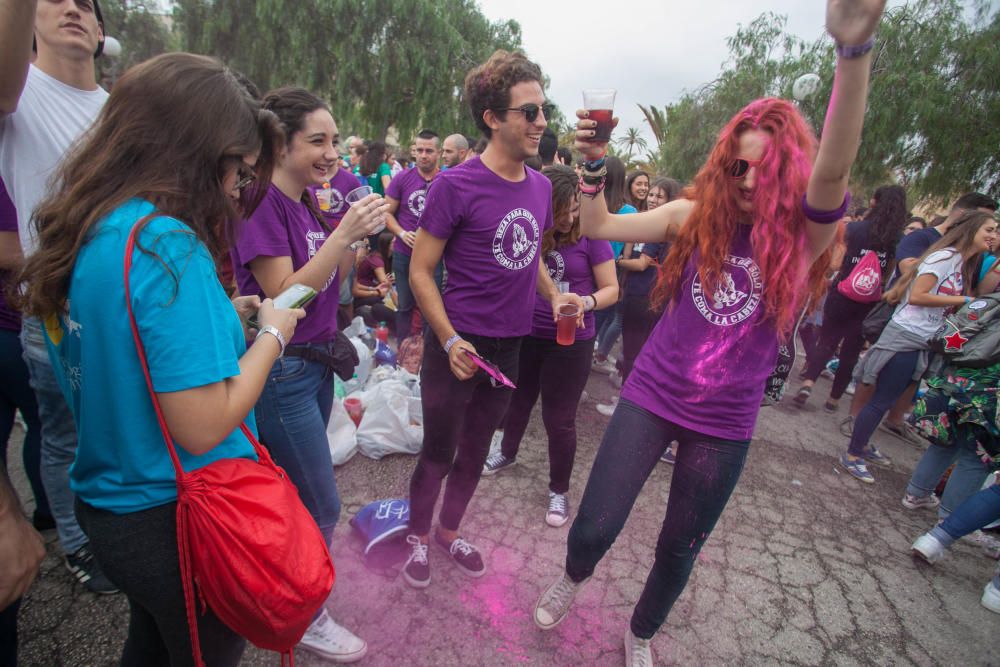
{"x": 651, "y": 51}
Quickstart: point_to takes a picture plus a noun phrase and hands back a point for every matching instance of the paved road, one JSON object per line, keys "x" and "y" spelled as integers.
{"x": 806, "y": 567}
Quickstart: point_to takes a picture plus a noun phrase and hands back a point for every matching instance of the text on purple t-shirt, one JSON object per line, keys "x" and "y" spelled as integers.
{"x": 573, "y": 264}
{"x": 410, "y": 189}
{"x": 281, "y": 227}
{"x": 493, "y": 229}
{"x": 706, "y": 362}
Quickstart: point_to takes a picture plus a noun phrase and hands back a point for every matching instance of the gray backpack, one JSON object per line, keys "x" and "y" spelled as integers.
{"x": 971, "y": 336}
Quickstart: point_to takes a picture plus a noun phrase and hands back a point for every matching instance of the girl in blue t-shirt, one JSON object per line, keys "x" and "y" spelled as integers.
{"x": 155, "y": 159}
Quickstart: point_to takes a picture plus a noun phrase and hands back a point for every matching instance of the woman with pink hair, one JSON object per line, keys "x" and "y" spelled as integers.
{"x": 745, "y": 236}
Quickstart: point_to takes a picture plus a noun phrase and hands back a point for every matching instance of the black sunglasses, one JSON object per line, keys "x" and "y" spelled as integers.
{"x": 741, "y": 165}
{"x": 531, "y": 110}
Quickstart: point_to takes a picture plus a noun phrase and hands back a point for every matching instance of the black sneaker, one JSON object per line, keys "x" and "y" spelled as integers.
{"x": 83, "y": 566}
{"x": 417, "y": 571}
{"x": 497, "y": 462}
{"x": 466, "y": 557}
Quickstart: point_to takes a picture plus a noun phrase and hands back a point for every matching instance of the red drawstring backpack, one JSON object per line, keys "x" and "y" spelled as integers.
{"x": 246, "y": 542}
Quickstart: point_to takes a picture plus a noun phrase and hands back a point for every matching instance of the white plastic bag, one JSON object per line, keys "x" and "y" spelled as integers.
{"x": 341, "y": 433}
{"x": 392, "y": 424}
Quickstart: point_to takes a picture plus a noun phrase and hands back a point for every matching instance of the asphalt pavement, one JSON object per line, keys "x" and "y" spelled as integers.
{"x": 807, "y": 566}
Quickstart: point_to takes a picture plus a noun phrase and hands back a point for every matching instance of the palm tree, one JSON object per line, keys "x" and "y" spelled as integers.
{"x": 632, "y": 141}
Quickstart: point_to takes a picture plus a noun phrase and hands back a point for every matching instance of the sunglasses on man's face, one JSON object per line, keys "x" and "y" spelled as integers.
{"x": 531, "y": 110}
{"x": 740, "y": 167}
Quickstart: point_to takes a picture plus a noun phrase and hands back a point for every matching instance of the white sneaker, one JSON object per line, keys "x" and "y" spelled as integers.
{"x": 928, "y": 548}
{"x": 991, "y": 598}
{"x": 607, "y": 366}
{"x": 608, "y": 409}
{"x": 637, "y": 651}
{"x": 989, "y": 544}
{"x": 332, "y": 641}
{"x": 558, "y": 513}
{"x": 555, "y": 600}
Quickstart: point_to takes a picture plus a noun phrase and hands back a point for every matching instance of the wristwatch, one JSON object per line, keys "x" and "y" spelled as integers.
{"x": 273, "y": 330}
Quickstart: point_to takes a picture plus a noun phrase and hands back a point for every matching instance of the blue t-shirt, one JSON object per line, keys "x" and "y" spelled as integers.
{"x": 192, "y": 336}
{"x": 989, "y": 259}
{"x": 618, "y": 246}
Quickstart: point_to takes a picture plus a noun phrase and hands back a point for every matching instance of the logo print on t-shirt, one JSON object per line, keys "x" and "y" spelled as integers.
{"x": 336, "y": 201}
{"x": 516, "y": 240}
{"x": 415, "y": 202}
{"x": 314, "y": 241}
{"x": 952, "y": 285}
{"x": 556, "y": 265}
{"x": 737, "y": 296}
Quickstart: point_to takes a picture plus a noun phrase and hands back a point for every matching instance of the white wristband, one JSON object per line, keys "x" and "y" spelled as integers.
{"x": 451, "y": 342}
{"x": 277, "y": 334}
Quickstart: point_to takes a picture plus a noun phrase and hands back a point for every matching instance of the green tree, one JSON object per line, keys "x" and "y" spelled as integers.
{"x": 380, "y": 63}
{"x": 142, "y": 29}
{"x": 933, "y": 107}
{"x": 631, "y": 141}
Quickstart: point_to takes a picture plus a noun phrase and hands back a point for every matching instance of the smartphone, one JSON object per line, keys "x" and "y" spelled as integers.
{"x": 497, "y": 378}
{"x": 296, "y": 296}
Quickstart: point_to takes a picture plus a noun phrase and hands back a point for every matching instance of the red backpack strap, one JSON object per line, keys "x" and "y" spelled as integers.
{"x": 183, "y": 548}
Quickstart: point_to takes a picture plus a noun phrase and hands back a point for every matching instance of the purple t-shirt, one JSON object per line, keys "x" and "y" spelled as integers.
{"x": 573, "y": 264}
{"x": 281, "y": 227}
{"x": 366, "y": 270}
{"x": 705, "y": 365}
{"x": 333, "y": 206}
{"x": 410, "y": 189}
{"x": 10, "y": 319}
{"x": 494, "y": 230}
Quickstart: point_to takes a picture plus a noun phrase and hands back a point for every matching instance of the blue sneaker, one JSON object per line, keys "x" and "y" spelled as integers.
{"x": 873, "y": 455}
{"x": 668, "y": 456}
{"x": 857, "y": 468}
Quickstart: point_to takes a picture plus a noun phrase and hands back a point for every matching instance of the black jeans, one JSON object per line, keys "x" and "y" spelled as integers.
{"x": 842, "y": 320}
{"x": 459, "y": 420}
{"x": 638, "y": 322}
{"x": 138, "y": 553}
{"x": 559, "y": 373}
{"x": 704, "y": 476}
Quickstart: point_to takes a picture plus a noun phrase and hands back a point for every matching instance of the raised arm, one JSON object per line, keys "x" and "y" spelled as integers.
{"x": 17, "y": 29}
{"x": 852, "y": 24}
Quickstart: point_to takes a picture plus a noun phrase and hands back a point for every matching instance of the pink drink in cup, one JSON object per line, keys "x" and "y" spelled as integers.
{"x": 354, "y": 409}
{"x": 600, "y": 106}
{"x": 566, "y": 324}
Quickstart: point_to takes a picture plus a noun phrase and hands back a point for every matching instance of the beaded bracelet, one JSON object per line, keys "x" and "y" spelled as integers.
{"x": 848, "y": 52}
{"x": 591, "y": 189}
{"x": 825, "y": 217}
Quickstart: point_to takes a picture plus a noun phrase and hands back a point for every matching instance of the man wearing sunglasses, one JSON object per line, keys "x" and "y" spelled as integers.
{"x": 45, "y": 105}
{"x": 486, "y": 218}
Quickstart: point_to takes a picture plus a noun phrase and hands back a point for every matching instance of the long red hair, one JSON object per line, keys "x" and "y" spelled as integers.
{"x": 778, "y": 235}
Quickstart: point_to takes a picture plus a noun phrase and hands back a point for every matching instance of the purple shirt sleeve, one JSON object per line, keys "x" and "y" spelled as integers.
{"x": 441, "y": 212}
{"x": 263, "y": 234}
{"x": 600, "y": 252}
{"x": 395, "y": 187}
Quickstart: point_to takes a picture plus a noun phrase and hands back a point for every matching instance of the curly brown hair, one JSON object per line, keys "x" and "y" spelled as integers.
{"x": 488, "y": 86}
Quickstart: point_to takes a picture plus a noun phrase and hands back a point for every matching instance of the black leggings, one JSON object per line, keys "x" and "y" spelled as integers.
{"x": 842, "y": 320}
{"x": 459, "y": 419}
{"x": 638, "y": 322}
{"x": 138, "y": 553}
{"x": 559, "y": 373}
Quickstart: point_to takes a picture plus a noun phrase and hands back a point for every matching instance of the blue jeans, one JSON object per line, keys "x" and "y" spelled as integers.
{"x": 405, "y": 301}
{"x": 892, "y": 381}
{"x": 16, "y": 394}
{"x": 978, "y": 510}
{"x": 965, "y": 480}
{"x": 704, "y": 477}
{"x": 609, "y": 328}
{"x": 58, "y": 435}
{"x": 292, "y": 413}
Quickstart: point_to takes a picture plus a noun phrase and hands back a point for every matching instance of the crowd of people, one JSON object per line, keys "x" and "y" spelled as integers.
{"x": 475, "y": 248}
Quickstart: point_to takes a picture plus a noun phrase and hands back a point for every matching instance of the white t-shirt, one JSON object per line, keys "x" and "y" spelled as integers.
{"x": 50, "y": 117}
{"x": 946, "y": 266}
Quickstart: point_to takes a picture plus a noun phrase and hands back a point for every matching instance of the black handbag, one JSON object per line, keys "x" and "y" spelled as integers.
{"x": 876, "y": 321}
